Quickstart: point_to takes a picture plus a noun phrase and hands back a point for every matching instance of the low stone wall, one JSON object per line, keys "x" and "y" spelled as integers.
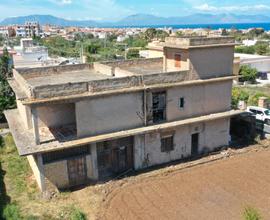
{"x": 28, "y": 73}
{"x": 197, "y": 41}
{"x": 132, "y": 62}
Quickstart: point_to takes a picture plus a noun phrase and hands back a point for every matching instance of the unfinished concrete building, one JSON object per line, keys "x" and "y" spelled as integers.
{"x": 84, "y": 123}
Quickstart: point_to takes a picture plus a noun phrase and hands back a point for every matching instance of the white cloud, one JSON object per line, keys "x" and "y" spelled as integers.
{"x": 233, "y": 8}
{"x": 66, "y": 2}
{"x": 61, "y": 2}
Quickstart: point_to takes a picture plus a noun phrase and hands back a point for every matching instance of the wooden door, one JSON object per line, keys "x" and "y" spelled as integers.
{"x": 77, "y": 171}
{"x": 177, "y": 59}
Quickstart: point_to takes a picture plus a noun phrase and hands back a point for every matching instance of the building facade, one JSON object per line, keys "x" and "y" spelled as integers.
{"x": 85, "y": 123}
{"x": 29, "y": 29}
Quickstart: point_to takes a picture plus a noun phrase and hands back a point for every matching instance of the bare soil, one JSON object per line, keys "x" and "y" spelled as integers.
{"x": 202, "y": 189}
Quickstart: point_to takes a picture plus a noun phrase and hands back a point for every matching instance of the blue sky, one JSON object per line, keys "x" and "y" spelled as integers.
{"x": 117, "y": 9}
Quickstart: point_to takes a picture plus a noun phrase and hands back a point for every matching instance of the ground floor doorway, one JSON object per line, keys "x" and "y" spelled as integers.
{"x": 77, "y": 171}
{"x": 194, "y": 144}
{"x": 114, "y": 157}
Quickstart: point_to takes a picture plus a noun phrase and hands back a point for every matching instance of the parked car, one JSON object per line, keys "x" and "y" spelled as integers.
{"x": 261, "y": 114}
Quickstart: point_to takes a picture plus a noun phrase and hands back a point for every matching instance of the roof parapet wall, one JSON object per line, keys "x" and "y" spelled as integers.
{"x": 28, "y": 73}
{"x": 49, "y": 91}
{"x": 198, "y": 41}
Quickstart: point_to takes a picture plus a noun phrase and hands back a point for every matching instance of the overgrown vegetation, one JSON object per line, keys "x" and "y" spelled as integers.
{"x": 248, "y": 73}
{"x": 249, "y": 95}
{"x": 251, "y": 214}
{"x": 19, "y": 192}
{"x": 7, "y": 97}
{"x": 96, "y": 49}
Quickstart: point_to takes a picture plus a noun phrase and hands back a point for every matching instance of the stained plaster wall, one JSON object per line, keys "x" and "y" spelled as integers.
{"x": 109, "y": 114}
{"x": 212, "y": 135}
{"x": 198, "y": 100}
{"x": 57, "y": 172}
{"x": 202, "y": 62}
{"x": 56, "y": 115}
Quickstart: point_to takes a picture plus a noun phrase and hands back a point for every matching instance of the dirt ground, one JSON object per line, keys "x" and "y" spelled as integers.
{"x": 220, "y": 189}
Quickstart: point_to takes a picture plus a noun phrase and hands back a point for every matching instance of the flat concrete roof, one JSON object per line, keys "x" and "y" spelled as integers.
{"x": 74, "y": 76}
{"x": 145, "y": 68}
{"x": 24, "y": 139}
{"x": 71, "y": 98}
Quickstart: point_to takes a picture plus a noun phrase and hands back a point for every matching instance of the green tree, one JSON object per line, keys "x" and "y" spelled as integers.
{"x": 133, "y": 53}
{"x": 245, "y": 49}
{"x": 261, "y": 48}
{"x": 238, "y": 95}
{"x": 7, "y": 97}
{"x": 248, "y": 73}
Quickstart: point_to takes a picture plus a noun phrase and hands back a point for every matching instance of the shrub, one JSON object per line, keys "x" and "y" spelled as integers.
{"x": 248, "y": 73}
{"x": 76, "y": 214}
{"x": 238, "y": 95}
{"x": 251, "y": 214}
{"x": 253, "y": 100}
{"x": 11, "y": 212}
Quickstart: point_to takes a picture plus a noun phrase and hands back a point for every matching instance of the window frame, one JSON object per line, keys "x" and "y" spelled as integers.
{"x": 157, "y": 110}
{"x": 181, "y": 100}
{"x": 165, "y": 148}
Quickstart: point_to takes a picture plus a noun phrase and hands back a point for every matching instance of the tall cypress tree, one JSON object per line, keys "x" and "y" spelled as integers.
{"x": 7, "y": 96}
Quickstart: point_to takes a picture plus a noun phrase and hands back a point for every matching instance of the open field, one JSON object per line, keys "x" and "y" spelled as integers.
{"x": 216, "y": 190}
{"x": 218, "y": 186}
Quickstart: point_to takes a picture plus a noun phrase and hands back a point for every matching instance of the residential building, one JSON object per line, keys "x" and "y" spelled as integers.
{"x": 85, "y": 123}
{"x": 29, "y": 29}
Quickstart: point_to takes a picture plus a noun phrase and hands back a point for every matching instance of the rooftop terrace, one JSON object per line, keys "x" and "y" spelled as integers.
{"x": 82, "y": 79}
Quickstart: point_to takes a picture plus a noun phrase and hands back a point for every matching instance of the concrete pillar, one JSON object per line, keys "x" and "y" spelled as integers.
{"x": 34, "y": 116}
{"x": 263, "y": 102}
{"x": 94, "y": 160}
{"x": 41, "y": 178}
{"x": 138, "y": 151}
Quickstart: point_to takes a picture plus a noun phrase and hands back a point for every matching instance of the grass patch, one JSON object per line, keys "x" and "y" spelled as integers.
{"x": 251, "y": 214}
{"x": 20, "y": 198}
{"x": 12, "y": 212}
{"x": 72, "y": 213}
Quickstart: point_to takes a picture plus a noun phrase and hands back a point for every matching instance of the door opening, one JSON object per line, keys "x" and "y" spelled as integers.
{"x": 194, "y": 144}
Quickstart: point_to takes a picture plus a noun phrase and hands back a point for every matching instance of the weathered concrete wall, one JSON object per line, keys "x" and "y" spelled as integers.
{"x": 125, "y": 63}
{"x": 56, "y": 115}
{"x": 203, "y": 63}
{"x": 212, "y": 135}
{"x": 198, "y": 100}
{"x": 37, "y": 171}
{"x": 57, "y": 174}
{"x": 60, "y": 90}
{"x": 108, "y": 114}
{"x": 169, "y": 59}
{"x": 27, "y": 73}
{"x": 211, "y": 62}
{"x": 25, "y": 114}
{"x": 104, "y": 69}
{"x": 22, "y": 83}
{"x": 198, "y": 41}
{"x": 118, "y": 72}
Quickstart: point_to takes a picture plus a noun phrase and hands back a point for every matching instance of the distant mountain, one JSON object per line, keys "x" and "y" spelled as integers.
{"x": 142, "y": 20}
{"x": 47, "y": 19}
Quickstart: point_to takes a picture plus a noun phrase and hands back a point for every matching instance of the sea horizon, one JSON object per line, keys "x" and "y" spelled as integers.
{"x": 265, "y": 26}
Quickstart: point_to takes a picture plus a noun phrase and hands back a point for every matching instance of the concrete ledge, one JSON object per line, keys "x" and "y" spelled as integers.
{"x": 24, "y": 139}
{"x": 159, "y": 85}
